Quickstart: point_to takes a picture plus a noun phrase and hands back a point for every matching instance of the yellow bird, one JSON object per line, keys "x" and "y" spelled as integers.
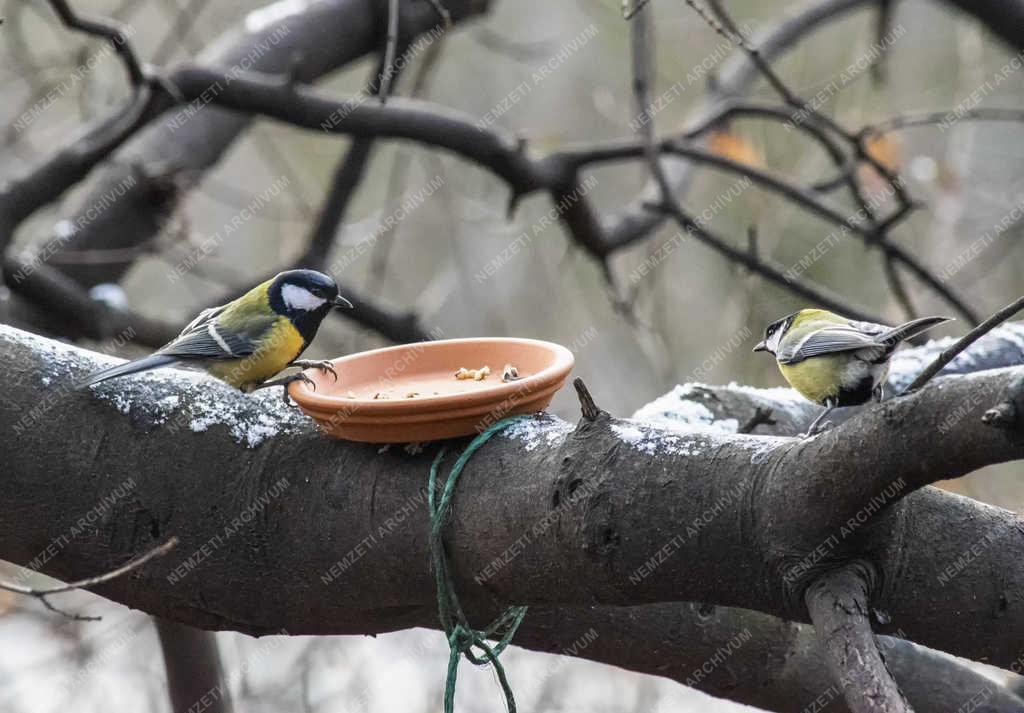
{"x": 249, "y": 340}
{"x": 833, "y": 360}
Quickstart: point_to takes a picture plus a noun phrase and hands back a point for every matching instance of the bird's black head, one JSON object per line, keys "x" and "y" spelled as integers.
{"x": 773, "y": 334}
{"x": 305, "y": 297}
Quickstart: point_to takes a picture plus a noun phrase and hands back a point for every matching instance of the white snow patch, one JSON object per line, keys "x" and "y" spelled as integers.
{"x": 772, "y": 393}
{"x": 260, "y": 19}
{"x": 546, "y": 429}
{"x": 677, "y": 411}
{"x": 760, "y": 446}
{"x": 651, "y": 439}
{"x": 988, "y": 352}
{"x": 676, "y": 423}
{"x": 172, "y": 398}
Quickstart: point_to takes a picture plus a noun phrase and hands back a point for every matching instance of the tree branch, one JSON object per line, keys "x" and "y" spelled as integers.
{"x": 235, "y": 520}
{"x": 964, "y": 342}
{"x": 838, "y": 605}
{"x": 195, "y": 677}
{"x": 609, "y": 496}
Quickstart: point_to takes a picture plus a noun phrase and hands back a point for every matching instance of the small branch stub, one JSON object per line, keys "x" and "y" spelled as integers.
{"x": 590, "y": 410}
{"x": 1007, "y": 411}
{"x": 762, "y": 415}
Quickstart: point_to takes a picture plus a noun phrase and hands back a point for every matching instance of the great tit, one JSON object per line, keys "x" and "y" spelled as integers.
{"x": 249, "y": 340}
{"x": 835, "y": 361}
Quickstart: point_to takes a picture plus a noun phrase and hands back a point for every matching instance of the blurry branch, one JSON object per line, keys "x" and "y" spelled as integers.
{"x": 918, "y": 119}
{"x": 1003, "y": 19}
{"x": 643, "y": 53}
{"x": 303, "y": 42}
{"x": 765, "y": 662}
{"x": 21, "y": 197}
{"x": 838, "y": 605}
{"x": 390, "y": 49}
{"x": 803, "y": 111}
{"x": 298, "y": 56}
{"x": 69, "y": 310}
{"x": 964, "y": 342}
{"x": 399, "y": 168}
{"x": 604, "y": 488}
{"x": 347, "y": 177}
{"x": 195, "y": 677}
{"x": 42, "y": 594}
{"x": 503, "y": 154}
{"x": 735, "y": 80}
{"x": 114, "y": 34}
{"x": 343, "y": 184}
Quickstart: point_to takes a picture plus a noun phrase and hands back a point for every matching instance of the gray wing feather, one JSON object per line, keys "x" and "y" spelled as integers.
{"x": 827, "y": 341}
{"x": 206, "y": 338}
{"x": 202, "y": 318}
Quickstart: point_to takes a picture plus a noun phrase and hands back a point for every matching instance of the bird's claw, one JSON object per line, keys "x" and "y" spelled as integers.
{"x": 286, "y": 382}
{"x": 321, "y": 364}
{"x": 300, "y": 376}
{"x": 818, "y": 428}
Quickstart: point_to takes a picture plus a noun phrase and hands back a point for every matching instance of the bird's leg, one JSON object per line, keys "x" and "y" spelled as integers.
{"x": 879, "y": 392}
{"x": 285, "y": 381}
{"x": 819, "y": 424}
{"x": 321, "y": 364}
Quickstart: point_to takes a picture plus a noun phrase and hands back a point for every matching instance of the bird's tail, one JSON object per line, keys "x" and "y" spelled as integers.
{"x": 153, "y": 361}
{"x": 910, "y": 330}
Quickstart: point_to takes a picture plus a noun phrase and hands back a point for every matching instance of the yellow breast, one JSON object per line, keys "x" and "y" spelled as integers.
{"x": 817, "y": 378}
{"x": 281, "y": 345}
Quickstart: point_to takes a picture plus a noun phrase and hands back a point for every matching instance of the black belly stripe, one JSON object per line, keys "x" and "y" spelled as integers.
{"x": 859, "y": 394}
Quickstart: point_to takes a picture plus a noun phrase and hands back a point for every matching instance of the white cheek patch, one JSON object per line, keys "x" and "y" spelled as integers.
{"x": 299, "y": 298}
{"x": 773, "y": 341}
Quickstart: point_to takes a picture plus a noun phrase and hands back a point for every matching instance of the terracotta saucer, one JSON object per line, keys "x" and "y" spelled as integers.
{"x": 409, "y": 393}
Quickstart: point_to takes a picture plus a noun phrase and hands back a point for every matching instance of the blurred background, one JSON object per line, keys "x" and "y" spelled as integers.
{"x": 694, "y": 317}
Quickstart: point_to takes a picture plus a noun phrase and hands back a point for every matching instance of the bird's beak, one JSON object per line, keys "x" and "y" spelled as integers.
{"x": 342, "y": 303}
{"x": 760, "y": 347}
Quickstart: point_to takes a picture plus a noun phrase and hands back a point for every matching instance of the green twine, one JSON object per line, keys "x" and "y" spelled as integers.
{"x": 462, "y": 637}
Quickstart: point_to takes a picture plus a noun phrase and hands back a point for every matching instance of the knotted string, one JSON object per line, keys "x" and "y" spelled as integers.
{"x": 463, "y": 638}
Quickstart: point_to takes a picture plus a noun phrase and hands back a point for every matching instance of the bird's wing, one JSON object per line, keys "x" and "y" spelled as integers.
{"x": 826, "y": 340}
{"x": 201, "y": 318}
{"x": 208, "y": 337}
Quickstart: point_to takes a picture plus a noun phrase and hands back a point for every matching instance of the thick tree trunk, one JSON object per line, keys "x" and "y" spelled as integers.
{"x": 282, "y": 528}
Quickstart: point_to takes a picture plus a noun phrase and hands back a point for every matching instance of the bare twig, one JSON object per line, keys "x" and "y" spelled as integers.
{"x": 389, "y": 51}
{"x": 642, "y": 48}
{"x": 397, "y": 175}
{"x": 346, "y": 179}
{"x": 838, "y": 606}
{"x": 906, "y": 121}
{"x": 897, "y": 287}
{"x": 113, "y": 32}
{"x": 965, "y": 341}
{"x": 761, "y": 267}
{"x": 876, "y": 234}
{"x": 42, "y": 594}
